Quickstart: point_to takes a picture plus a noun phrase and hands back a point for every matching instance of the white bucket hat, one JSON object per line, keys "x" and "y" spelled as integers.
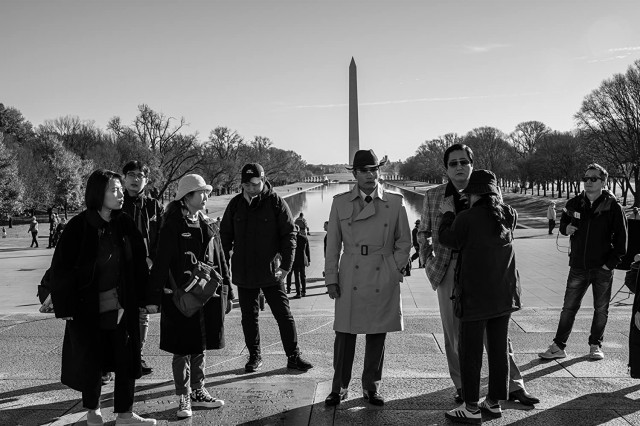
{"x": 190, "y": 183}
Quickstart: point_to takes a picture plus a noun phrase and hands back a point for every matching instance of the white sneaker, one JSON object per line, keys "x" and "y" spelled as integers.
{"x": 133, "y": 419}
{"x": 492, "y": 410}
{"x": 94, "y": 418}
{"x": 553, "y": 352}
{"x": 201, "y": 398}
{"x": 595, "y": 352}
{"x": 184, "y": 407}
{"x": 462, "y": 415}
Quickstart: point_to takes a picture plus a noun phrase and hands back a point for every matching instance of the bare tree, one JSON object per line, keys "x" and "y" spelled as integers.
{"x": 610, "y": 119}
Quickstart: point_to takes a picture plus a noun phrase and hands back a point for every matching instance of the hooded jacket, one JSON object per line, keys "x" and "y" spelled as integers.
{"x": 601, "y": 238}
{"x": 261, "y": 236}
{"x": 146, "y": 212}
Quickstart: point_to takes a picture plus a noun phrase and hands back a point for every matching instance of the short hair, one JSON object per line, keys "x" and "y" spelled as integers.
{"x": 135, "y": 165}
{"x": 603, "y": 172}
{"x": 97, "y": 186}
{"x": 457, "y": 147}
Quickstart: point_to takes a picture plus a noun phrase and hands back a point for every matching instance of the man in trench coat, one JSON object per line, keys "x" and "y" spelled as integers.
{"x": 370, "y": 226}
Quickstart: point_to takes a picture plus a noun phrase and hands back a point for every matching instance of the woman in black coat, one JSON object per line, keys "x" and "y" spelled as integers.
{"x": 185, "y": 237}
{"x": 486, "y": 288}
{"x": 98, "y": 276}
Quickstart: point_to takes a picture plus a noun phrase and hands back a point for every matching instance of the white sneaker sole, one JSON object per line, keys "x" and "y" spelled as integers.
{"x": 184, "y": 414}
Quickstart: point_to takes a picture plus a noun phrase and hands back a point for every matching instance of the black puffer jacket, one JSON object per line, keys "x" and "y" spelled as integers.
{"x": 258, "y": 235}
{"x": 601, "y": 238}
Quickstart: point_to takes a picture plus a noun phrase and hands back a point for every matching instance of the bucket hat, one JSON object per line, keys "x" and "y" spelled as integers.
{"x": 190, "y": 183}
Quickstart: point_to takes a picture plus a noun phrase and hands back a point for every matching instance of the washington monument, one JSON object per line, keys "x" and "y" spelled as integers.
{"x": 354, "y": 136}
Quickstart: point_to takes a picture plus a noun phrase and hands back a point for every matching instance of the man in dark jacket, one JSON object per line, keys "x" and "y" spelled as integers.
{"x": 598, "y": 229}
{"x": 300, "y": 262}
{"x": 258, "y": 227}
{"x": 146, "y": 212}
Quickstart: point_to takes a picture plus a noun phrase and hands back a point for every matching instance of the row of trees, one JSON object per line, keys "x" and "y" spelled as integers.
{"x": 607, "y": 132}
{"x": 46, "y": 166}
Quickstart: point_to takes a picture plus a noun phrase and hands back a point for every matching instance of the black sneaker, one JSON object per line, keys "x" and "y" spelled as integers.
{"x": 254, "y": 363}
{"x": 296, "y": 362}
{"x": 145, "y": 368}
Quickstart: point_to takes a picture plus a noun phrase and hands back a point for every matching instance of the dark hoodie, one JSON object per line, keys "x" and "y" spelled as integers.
{"x": 601, "y": 238}
{"x": 258, "y": 234}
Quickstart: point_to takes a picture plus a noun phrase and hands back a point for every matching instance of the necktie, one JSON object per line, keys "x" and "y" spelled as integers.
{"x": 368, "y": 199}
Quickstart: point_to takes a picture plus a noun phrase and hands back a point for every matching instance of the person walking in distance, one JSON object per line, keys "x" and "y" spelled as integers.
{"x": 416, "y": 245}
{"x": 258, "y": 228}
{"x": 597, "y": 227}
{"x": 551, "y": 216}
{"x": 301, "y": 260}
{"x": 440, "y": 264}
{"x": 33, "y": 229}
{"x": 369, "y": 226}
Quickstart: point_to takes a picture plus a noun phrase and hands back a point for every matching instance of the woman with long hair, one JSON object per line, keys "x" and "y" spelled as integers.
{"x": 98, "y": 276}
{"x": 188, "y": 236}
{"x": 486, "y": 291}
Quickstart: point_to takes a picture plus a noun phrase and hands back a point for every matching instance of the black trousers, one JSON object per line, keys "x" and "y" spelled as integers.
{"x": 114, "y": 341}
{"x": 344, "y": 350}
{"x": 34, "y": 238}
{"x": 300, "y": 276}
{"x": 279, "y": 304}
{"x": 470, "y": 353}
{"x": 552, "y": 224}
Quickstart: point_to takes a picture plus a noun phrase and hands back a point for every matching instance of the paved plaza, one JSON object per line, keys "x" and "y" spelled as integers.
{"x": 416, "y": 385}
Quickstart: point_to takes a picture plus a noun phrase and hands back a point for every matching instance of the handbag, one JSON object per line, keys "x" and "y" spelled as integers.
{"x": 204, "y": 283}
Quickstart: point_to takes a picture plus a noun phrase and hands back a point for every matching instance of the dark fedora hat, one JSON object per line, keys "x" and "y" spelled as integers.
{"x": 366, "y": 158}
{"x": 482, "y": 182}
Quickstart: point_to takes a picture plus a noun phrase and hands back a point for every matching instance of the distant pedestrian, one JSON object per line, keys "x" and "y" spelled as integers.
{"x": 4, "y": 232}
{"x": 59, "y": 228}
{"x": 301, "y": 223}
{"x": 33, "y": 229}
{"x": 416, "y": 245}
{"x": 634, "y": 214}
{"x": 301, "y": 260}
{"x": 598, "y": 228}
{"x": 184, "y": 239}
{"x": 53, "y": 223}
{"x": 551, "y": 216}
{"x": 257, "y": 227}
{"x": 96, "y": 272}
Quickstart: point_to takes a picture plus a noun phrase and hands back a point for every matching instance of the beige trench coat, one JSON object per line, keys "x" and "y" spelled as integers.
{"x": 375, "y": 240}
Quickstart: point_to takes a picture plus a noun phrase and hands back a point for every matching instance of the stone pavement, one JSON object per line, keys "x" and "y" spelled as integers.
{"x": 415, "y": 381}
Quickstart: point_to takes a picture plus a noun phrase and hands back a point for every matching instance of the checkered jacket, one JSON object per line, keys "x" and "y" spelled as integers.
{"x": 435, "y": 256}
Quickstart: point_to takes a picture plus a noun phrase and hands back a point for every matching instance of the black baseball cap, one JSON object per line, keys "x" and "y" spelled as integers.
{"x": 252, "y": 172}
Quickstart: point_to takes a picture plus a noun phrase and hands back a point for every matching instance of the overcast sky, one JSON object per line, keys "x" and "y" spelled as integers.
{"x": 279, "y": 69}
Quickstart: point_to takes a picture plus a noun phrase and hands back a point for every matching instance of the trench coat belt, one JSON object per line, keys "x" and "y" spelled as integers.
{"x": 368, "y": 250}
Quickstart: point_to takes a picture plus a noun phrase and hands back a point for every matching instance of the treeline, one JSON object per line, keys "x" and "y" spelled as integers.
{"x": 46, "y": 166}
{"x": 535, "y": 156}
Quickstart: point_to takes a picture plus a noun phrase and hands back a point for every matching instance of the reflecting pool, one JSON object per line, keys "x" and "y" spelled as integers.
{"x": 316, "y": 204}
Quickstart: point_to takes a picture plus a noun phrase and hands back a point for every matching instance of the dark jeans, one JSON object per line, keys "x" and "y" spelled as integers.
{"x": 552, "y": 224}
{"x": 115, "y": 341}
{"x": 279, "y": 304}
{"x": 300, "y": 277}
{"x": 577, "y": 284}
{"x": 344, "y": 349}
{"x": 471, "y": 348}
{"x": 416, "y": 255}
{"x": 34, "y": 238}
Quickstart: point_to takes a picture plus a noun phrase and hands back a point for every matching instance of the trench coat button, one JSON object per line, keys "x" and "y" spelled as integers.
{"x": 355, "y": 288}
{"x": 377, "y": 268}
{"x": 386, "y": 206}
{"x": 357, "y": 267}
{"x": 357, "y": 245}
{"x": 377, "y": 290}
{"x": 386, "y": 224}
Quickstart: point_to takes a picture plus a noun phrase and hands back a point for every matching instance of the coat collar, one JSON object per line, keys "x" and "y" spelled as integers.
{"x": 355, "y": 193}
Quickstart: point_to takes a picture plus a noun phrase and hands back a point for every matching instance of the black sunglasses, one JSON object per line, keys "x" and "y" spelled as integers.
{"x": 590, "y": 178}
{"x": 454, "y": 163}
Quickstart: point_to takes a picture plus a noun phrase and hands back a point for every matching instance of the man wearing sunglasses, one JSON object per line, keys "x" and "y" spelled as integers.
{"x": 440, "y": 264}
{"x": 597, "y": 227}
{"x": 368, "y": 244}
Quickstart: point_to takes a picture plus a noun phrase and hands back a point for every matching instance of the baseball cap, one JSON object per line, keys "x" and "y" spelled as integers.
{"x": 252, "y": 172}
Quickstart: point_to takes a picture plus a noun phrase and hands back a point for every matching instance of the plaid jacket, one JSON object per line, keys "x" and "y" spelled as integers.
{"x": 435, "y": 256}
